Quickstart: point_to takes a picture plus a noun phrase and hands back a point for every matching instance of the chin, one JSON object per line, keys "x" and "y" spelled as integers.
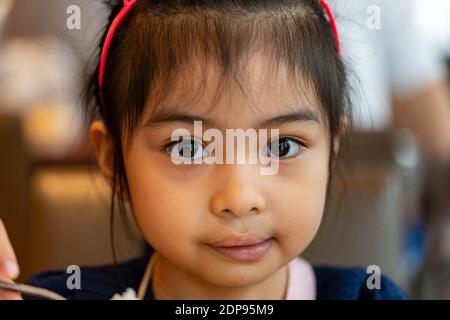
{"x": 240, "y": 275}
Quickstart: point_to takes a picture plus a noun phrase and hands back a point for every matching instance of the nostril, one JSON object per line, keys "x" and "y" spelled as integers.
{"x": 255, "y": 209}
{"x": 226, "y": 211}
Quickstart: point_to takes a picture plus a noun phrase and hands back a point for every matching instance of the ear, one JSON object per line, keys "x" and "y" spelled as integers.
{"x": 344, "y": 124}
{"x": 101, "y": 145}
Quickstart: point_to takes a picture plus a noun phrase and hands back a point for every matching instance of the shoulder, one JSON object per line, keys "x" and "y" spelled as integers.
{"x": 97, "y": 283}
{"x": 339, "y": 283}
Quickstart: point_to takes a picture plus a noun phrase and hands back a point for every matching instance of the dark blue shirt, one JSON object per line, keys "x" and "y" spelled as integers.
{"x": 105, "y": 281}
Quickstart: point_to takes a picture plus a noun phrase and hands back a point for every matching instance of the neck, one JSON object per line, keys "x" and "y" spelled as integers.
{"x": 169, "y": 282}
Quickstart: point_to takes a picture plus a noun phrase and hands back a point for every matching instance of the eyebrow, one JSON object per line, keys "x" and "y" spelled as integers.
{"x": 177, "y": 116}
{"x": 300, "y": 115}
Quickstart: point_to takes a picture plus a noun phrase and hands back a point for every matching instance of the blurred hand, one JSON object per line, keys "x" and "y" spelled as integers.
{"x": 9, "y": 269}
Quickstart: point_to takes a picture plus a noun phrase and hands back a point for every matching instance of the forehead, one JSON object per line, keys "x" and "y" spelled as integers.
{"x": 255, "y": 88}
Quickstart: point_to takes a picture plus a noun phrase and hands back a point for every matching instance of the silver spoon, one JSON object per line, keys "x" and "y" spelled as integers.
{"x": 30, "y": 290}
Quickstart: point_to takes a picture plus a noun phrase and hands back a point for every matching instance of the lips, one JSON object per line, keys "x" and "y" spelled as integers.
{"x": 243, "y": 247}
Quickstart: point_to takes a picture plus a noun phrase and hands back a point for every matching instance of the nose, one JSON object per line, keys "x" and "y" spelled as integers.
{"x": 237, "y": 194}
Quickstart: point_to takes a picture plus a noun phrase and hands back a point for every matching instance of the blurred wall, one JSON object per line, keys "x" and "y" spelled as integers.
{"x": 33, "y": 18}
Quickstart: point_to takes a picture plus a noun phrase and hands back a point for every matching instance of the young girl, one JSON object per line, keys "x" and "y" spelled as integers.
{"x": 219, "y": 231}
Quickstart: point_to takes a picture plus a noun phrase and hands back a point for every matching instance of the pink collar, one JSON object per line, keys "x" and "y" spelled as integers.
{"x": 301, "y": 280}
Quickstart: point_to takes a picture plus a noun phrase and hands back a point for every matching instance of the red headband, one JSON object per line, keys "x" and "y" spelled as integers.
{"x": 333, "y": 24}
{"x": 128, "y": 6}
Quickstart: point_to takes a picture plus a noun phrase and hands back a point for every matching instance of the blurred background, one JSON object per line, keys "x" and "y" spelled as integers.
{"x": 389, "y": 202}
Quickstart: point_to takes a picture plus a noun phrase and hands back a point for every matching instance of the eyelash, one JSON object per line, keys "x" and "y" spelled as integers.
{"x": 180, "y": 139}
{"x": 301, "y": 145}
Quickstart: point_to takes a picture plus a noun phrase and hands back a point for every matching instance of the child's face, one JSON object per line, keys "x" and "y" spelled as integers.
{"x": 183, "y": 209}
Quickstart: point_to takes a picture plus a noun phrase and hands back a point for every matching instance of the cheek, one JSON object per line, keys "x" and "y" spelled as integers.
{"x": 162, "y": 209}
{"x": 300, "y": 202}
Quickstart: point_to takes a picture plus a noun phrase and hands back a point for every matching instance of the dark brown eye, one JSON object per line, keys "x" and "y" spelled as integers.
{"x": 283, "y": 148}
{"x": 187, "y": 148}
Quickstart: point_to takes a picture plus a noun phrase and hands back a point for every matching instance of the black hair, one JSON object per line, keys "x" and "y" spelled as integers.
{"x": 161, "y": 37}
